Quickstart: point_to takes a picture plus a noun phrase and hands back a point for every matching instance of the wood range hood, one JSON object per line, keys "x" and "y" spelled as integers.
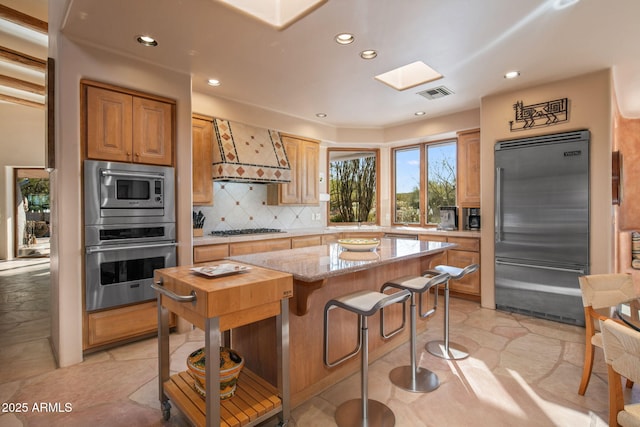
{"x": 244, "y": 153}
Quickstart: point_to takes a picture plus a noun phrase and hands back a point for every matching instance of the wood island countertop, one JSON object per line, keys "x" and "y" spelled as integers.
{"x": 315, "y": 263}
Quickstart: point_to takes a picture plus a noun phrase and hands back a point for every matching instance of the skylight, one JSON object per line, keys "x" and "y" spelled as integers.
{"x": 278, "y": 13}
{"x": 409, "y": 76}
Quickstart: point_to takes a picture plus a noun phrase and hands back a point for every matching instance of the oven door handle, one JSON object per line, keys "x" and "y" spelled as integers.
{"x": 132, "y": 174}
{"x": 179, "y": 298}
{"x": 95, "y": 249}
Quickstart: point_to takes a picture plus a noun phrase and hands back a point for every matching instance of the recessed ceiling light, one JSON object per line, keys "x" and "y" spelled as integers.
{"x": 345, "y": 38}
{"x": 213, "y": 82}
{"x": 147, "y": 41}
{"x": 512, "y": 74}
{"x": 368, "y": 54}
{"x": 409, "y": 76}
{"x": 321, "y": 115}
{"x": 419, "y": 113}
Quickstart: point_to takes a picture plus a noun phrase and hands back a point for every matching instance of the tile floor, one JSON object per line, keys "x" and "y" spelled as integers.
{"x": 522, "y": 372}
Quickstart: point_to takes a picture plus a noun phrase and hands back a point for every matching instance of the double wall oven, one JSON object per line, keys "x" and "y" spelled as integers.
{"x": 129, "y": 217}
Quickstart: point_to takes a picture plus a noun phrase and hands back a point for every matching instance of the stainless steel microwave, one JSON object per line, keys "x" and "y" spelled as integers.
{"x": 121, "y": 193}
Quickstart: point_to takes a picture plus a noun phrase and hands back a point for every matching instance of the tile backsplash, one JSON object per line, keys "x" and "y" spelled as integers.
{"x": 238, "y": 205}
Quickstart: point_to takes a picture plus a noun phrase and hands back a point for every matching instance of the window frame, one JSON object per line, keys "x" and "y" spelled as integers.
{"x": 423, "y": 180}
{"x": 376, "y": 151}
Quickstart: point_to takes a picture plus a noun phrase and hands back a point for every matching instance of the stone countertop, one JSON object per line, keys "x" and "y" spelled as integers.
{"x": 212, "y": 240}
{"x": 316, "y": 263}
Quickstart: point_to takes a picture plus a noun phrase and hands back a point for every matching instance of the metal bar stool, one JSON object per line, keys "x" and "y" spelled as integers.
{"x": 443, "y": 348}
{"x": 412, "y": 378}
{"x": 364, "y": 411}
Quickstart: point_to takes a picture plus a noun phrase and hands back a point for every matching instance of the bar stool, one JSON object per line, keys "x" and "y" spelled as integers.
{"x": 412, "y": 378}
{"x": 364, "y": 411}
{"x": 443, "y": 348}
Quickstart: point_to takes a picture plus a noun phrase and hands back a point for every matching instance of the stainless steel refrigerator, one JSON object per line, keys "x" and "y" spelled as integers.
{"x": 542, "y": 225}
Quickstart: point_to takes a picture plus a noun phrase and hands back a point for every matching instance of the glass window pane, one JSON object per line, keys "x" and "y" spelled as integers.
{"x": 407, "y": 186}
{"x": 352, "y": 186}
{"x": 441, "y": 179}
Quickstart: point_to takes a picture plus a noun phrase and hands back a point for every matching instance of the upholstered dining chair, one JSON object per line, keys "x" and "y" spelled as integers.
{"x": 600, "y": 291}
{"x": 622, "y": 354}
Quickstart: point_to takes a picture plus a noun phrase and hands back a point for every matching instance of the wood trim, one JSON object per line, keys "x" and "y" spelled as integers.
{"x": 202, "y": 117}
{"x": 50, "y": 102}
{"x": 21, "y": 101}
{"x": 128, "y": 91}
{"x": 23, "y": 59}
{"x": 21, "y": 84}
{"x": 24, "y": 20}
{"x": 289, "y": 135}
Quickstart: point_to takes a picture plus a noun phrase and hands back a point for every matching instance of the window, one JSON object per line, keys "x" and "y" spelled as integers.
{"x": 407, "y": 185}
{"x": 353, "y": 186}
{"x": 441, "y": 179}
{"x": 424, "y": 182}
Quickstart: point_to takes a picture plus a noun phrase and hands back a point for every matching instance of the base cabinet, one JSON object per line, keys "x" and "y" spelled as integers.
{"x": 121, "y": 324}
{"x": 467, "y": 252}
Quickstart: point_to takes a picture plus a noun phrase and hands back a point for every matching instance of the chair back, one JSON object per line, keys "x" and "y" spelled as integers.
{"x": 606, "y": 290}
{"x": 622, "y": 349}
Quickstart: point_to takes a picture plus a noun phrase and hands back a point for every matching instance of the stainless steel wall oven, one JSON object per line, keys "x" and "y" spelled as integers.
{"x": 129, "y": 213}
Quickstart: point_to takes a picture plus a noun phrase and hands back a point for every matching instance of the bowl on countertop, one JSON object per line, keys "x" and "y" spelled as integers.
{"x": 359, "y": 245}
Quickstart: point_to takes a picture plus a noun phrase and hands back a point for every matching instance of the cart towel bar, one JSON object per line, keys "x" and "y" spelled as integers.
{"x": 179, "y": 298}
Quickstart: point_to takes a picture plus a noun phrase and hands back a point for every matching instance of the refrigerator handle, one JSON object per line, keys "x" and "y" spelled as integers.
{"x": 543, "y": 267}
{"x": 498, "y": 223}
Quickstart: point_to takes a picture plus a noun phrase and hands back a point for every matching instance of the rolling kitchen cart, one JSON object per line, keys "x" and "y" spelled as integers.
{"x": 216, "y": 304}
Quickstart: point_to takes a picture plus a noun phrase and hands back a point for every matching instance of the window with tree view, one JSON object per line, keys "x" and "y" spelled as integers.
{"x": 441, "y": 179}
{"x": 407, "y": 185}
{"x": 353, "y": 186}
{"x": 410, "y": 198}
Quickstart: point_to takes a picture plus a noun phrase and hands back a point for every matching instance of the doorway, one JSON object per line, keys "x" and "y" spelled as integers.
{"x": 32, "y": 213}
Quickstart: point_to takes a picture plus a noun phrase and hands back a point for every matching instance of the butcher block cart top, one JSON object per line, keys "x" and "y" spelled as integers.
{"x": 216, "y": 303}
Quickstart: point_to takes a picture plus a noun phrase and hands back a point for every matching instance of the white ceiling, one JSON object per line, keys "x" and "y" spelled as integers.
{"x": 301, "y": 71}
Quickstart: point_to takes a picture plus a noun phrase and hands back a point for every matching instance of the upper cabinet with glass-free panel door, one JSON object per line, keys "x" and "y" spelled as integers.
{"x": 303, "y": 189}
{"x": 469, "y": 169}
{"x": 202, "y": 140}
{"x": 125, "y": 126}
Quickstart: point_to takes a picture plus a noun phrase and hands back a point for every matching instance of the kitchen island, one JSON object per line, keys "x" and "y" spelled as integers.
{"x": 321, "y": 273}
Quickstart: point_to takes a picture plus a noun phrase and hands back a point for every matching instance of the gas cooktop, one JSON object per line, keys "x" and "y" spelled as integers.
{"x": 224, "y": 233}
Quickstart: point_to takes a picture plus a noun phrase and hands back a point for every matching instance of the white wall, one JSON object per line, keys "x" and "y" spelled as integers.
{"x": 22, "y": 139}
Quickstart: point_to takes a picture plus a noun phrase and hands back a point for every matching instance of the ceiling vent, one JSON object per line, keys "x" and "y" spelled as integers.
{"x": 436, "y": 92}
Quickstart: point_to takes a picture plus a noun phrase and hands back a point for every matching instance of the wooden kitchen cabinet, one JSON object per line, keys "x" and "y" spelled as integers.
{"x": 305, "y": 241}
{"x": 207, "y": 253}
{"x": 202, "y": 153}
{"x": 468, "y": 152}
{"x": 116, "y": 325}
{"x": 303, "y": 190}
{"x": 467, "y": 252}
{"x": 255, "y": 246}
{"x": 127, "y": 126}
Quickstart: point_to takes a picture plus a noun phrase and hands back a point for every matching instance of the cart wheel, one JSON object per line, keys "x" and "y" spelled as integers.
{"x": 166, "y": 410}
